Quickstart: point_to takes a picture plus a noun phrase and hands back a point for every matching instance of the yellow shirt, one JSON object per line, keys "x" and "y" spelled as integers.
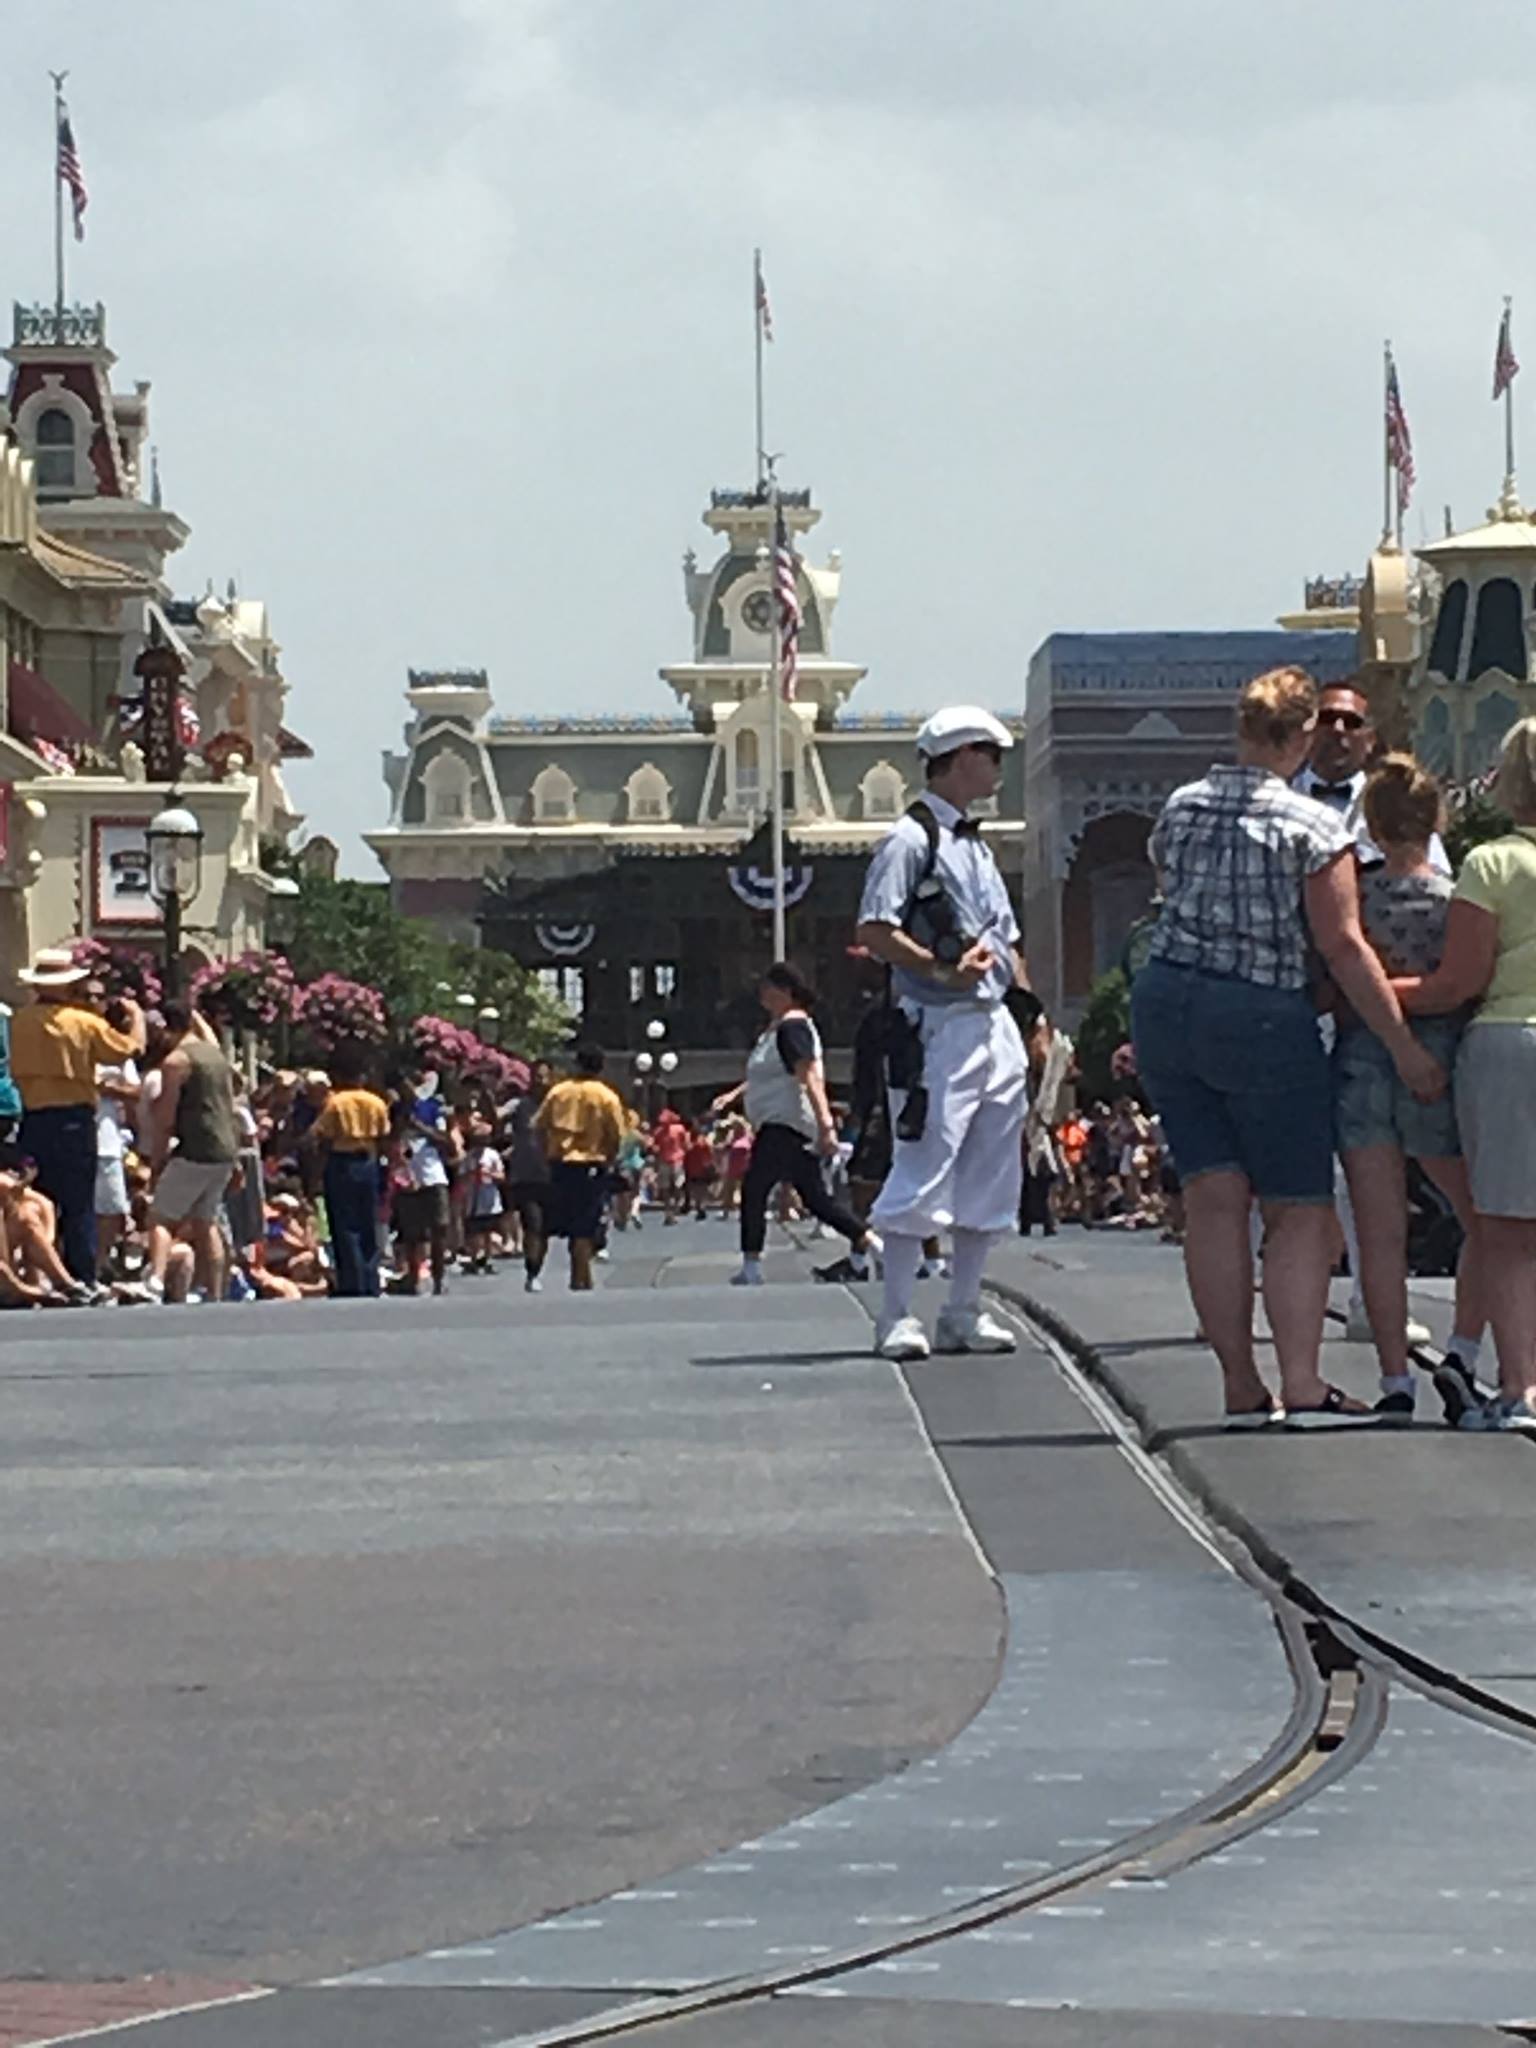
{"x": 582, "y": 1121}
{"x": 55, "y": 1050}
{"x": 352, "y": 1119}
{"x": 1500, "y": 877}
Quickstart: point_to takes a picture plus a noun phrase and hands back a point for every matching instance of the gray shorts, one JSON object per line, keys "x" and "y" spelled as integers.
{"x": 1372, "y": 1107}
{"x": 111, "y": 1188}
{"x": 1495, "y": 1095}
{"x": 188, "y": 1189}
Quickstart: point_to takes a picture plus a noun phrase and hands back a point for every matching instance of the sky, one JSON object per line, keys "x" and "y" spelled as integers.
{"x": 1079, "y": 309}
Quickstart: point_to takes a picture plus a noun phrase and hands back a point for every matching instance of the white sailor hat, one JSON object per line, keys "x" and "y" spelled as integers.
{"x": 961, "y": 725}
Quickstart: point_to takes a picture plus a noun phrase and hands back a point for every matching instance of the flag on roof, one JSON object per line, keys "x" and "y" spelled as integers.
{"x": 70, "y": 173}
{"x": 1506, "y": 366}
{"x": 1399, "y": 440}
{"x": 788, "y": 595}
{"x": 764, "y": 310}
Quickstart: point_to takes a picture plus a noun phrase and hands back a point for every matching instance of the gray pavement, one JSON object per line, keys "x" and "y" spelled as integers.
{"x": 336, "y": 1631}
{"x": 362, "y": 1633}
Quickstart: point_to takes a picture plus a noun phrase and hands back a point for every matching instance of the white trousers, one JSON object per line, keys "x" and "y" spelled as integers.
{"x": 965, "y": 1172}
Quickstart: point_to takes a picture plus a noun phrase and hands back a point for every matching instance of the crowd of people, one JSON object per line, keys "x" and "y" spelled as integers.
{"x": 1324, "y": 1020}
{"x": 1323, "y": 1008}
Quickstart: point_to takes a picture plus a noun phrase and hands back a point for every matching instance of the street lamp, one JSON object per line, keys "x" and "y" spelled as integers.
{"x": 489, "y": 1021}
{"x": 464, "y": 1000}
{"x": 175, "y": 842}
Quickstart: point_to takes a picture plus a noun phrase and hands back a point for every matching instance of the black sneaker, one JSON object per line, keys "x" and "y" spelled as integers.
{"x": 1396, "y": 1407}
{"x": 1458, "y": 1390}
{"x": 840, "y": 1272}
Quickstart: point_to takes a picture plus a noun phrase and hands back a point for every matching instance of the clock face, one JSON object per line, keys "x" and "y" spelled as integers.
{"x": 757, "y": 612}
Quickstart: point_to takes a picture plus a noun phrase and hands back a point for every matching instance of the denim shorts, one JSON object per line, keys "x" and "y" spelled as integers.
{"x": 1238, "y": 1074}
{"x": 1372, "y": 1107}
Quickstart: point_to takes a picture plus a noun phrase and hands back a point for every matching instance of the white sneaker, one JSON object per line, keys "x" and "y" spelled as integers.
{"x": 533, "y": 1284}
{"x": 747, "y": 1276}
{"x": 1418, "y": 1333}
{"x": 901, "y": 1341}
{"x": 972, "y": 1329}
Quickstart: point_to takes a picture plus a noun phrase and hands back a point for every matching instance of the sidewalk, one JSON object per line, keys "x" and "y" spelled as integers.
{"x": 1420, "y": 1534}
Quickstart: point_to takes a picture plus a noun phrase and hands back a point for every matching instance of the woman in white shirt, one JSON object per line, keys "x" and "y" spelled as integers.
{"x": 785, "y": 1100}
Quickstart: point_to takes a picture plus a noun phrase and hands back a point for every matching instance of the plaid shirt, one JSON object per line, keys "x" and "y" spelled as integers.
{"x": 1233, "y": 852}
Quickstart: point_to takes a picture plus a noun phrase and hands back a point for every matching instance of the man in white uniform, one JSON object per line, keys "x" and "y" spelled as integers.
{"x": 936, "y": 910}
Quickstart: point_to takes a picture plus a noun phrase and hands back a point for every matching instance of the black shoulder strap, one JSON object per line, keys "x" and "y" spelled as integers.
{"x": 923, "y": 814}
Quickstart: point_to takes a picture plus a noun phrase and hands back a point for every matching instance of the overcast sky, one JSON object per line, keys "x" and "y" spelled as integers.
{"x": 1080, "y": 304}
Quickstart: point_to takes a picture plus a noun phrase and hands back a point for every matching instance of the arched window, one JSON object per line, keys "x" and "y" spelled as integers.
{"x": 1491, "y": 720}
{"x": 55, "y": 442}
{"x": 649, "y": 795}
{"x": 1498, "y": 637}
{"x": 448, "y": 781}
{"x": 883, "y": 793}
{"x": 554, "y": 797}
{"x": 1445, "y": 648}
{"x": 1436, "y": 748}
{"x": 749, "y": 769}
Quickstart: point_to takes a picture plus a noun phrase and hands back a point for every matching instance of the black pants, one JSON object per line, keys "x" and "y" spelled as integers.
{"x": 63, "y": 1142}
{"x": 780, "y": 1154}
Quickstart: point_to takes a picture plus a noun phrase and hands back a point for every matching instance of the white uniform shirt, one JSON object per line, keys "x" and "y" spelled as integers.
{"x": 964, "y": 864}
{"x": 1348, "y": 800}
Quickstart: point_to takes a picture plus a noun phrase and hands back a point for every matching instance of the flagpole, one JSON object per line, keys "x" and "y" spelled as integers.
{"x": 1386, "y": 440}
{"x": 757, "y": 337}
{"x": 776, "y": 745}
{"x": 58, "y": 78}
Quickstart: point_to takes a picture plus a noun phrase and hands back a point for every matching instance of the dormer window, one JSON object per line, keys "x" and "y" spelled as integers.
{"x": 649, "y": 796}
{"x": 554, "y": 797}
{"x": 883, "y": 792}
{"x": 447, "y": 780}
{"x": 54, "y": 439}
{"x": 749, "y": 770}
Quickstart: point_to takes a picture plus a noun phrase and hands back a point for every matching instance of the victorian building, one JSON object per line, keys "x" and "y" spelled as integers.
{"x": 624, "y": 857}
{"x": 84, "y": 546}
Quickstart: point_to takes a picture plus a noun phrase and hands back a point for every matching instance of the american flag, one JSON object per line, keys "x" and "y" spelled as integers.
{"x": 764, "y": 310}
{"x": 784, "y": 566}
{"x": 1506, "y": 366}
{"x": 1399, "y": 440}
{"x": 71, "y": 174}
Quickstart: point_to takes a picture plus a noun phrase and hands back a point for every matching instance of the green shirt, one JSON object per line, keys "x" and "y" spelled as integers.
{"x": 1500, "y": 877}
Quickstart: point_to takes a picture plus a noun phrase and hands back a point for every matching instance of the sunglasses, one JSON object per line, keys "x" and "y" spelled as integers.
{"x": 1346, "y": 721}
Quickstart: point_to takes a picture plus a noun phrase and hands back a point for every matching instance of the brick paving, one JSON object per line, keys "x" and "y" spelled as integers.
{"x": 33, "y": 2012}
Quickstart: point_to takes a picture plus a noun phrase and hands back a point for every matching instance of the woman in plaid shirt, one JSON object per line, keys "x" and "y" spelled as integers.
{"x": 1257, "y": 880}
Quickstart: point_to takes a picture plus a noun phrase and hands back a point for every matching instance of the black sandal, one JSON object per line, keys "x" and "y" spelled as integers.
{"x": 1332, "y": 1412}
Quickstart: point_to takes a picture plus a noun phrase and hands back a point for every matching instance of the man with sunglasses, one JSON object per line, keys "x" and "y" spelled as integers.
{"x": 937, "y": 912}
{"x": 1344, "y": 745}
{"x": 1337, "y": 769}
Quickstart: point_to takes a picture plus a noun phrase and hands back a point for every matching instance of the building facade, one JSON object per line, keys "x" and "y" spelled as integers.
{"x": 625, "y": 859}
{"x": 84, "y": 548}
{"x": 1115, "y": 723}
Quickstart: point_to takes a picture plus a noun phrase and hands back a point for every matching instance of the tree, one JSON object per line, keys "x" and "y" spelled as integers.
{"x": 1106, "y": 1026}
{"x": 352, "y": 929}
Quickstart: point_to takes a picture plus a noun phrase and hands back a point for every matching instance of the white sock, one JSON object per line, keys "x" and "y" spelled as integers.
{"x": 967, "y": 1262}
{"x": 1397, "y": 1383}
{"x": 751, "y": 1262}
{"x": 902, "y": 1255}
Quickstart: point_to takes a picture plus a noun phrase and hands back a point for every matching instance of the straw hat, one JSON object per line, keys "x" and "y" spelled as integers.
{"x": 54, "y": 967}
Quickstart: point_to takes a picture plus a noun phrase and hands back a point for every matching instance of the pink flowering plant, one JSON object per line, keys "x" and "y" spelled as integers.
{"x": 122, "y": 970}
{"x": 460, "y": 1055}
{"x": 257, "y": 992}
{"x": 332, "y": 1010}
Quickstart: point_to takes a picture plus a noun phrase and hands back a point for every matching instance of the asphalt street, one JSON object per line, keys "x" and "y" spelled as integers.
{"x": 426, "y": 1673}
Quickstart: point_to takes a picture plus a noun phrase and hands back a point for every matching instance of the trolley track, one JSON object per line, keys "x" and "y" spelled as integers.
{"x": 1341, "y": 1680}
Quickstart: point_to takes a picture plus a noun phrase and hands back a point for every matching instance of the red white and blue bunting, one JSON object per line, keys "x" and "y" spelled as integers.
{"x": 755, "y": 886}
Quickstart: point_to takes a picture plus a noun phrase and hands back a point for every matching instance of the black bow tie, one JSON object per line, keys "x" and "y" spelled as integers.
{"x": 1334, "y": 792}
{"x": 967, "y": 828}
